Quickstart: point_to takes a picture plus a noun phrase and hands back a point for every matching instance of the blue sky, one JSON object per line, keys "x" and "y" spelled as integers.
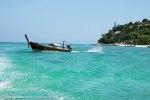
{"x": 75, "y": 21}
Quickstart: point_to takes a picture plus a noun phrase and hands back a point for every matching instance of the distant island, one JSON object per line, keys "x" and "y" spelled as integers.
{"x": 137, "y": 33}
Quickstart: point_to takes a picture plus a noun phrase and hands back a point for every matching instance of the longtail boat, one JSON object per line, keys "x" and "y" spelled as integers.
{"x": 50, "y": 47}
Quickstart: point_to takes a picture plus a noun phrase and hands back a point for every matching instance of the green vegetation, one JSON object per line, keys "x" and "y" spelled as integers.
{"x": 137, "y": 33}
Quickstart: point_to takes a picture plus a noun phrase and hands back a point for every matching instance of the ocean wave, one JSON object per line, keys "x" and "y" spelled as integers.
{"x": 56, "y": 95}
{"x": 141, "y": 46}
{"x": 97, "y": 49}
{"x": 5, "y": 63}
{"x": 38, "y": 94}
{"x": 5, "y": 85}
{"x": 75, "y": 51}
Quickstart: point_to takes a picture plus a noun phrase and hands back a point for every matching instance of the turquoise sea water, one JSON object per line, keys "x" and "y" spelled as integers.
{"x": 87, "y": 73}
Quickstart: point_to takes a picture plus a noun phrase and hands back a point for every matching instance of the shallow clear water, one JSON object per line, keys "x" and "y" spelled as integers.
{"x": 87, "y": 73}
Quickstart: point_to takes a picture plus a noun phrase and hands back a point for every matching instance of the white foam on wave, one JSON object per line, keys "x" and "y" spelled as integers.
{"x": 75, "y": 51}
{"x": 4, "y": 85}
{"x": 57, "y": 96}
{"x": 5, "y": 63}
{"x": 54, "y": 95}
{"x": 40, "y": 93}
{"x": 97, "y": 49}
{"x": 141, "y": 46}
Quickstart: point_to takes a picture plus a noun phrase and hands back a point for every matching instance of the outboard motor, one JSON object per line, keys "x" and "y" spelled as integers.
{"x": 69, "y": 47}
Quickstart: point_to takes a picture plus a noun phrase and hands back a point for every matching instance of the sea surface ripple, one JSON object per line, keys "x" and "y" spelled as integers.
{"x": 89, "y": 72}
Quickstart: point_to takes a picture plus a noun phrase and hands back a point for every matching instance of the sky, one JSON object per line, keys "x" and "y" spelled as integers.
{"x": 75, "y": 21}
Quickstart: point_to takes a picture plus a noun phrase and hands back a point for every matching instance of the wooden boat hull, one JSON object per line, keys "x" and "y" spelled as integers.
{"x": 40, "y": 47}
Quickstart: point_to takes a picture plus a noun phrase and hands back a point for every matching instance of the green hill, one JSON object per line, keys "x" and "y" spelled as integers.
{"x": 137, "y": 33}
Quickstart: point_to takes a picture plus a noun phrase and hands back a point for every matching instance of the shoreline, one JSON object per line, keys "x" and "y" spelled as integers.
{"x": 127, "y": 45}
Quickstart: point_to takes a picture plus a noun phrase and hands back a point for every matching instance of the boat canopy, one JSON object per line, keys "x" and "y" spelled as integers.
{"x": 54, "y": 44}
{"x": 57, "y": 44}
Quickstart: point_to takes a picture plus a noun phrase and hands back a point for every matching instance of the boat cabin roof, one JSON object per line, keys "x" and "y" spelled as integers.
{"x": 54, "y": 44}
